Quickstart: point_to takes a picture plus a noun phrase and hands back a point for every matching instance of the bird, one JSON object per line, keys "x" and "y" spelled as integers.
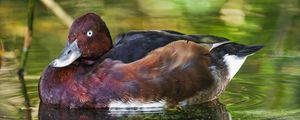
{"x": 150, "y": 68}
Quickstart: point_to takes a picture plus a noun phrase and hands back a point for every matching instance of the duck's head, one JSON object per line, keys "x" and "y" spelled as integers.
{"x": 88, "y": 39}
{"x": 230, "y": 57}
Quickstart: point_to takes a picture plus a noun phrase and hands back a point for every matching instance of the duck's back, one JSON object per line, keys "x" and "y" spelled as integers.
{"x": 131, "y": 46}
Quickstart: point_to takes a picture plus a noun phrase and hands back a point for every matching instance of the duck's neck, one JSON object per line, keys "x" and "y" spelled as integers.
{"x": 107, "y": 41}
{"x": 105, "y": 44}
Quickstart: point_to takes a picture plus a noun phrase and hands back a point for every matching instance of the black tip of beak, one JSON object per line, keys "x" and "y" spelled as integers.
{"x": 248, "y": 50}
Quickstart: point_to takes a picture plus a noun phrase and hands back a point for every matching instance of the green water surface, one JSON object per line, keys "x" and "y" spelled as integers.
{"x": 266, "y": 87}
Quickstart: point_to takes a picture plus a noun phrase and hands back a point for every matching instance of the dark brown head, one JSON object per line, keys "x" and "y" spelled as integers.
{"x": 88, "y": 38}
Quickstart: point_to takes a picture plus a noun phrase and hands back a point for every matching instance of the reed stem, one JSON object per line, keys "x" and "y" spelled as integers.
{"x": 24, "y": 55}
{"x": 1, "y": 52}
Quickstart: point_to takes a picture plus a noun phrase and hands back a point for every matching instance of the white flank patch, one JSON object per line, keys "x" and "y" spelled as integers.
{"x": 233, "y": 63}
{"x": 134, "y": 105}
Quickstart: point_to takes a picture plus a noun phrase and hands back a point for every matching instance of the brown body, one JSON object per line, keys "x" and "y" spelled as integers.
{"x": 173, "y": 73}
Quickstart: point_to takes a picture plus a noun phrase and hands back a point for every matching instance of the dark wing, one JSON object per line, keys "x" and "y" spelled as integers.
{"x": 134, "y": 45}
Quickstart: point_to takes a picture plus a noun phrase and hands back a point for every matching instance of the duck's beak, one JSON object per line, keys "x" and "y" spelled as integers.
{"x": 68, "y": 55}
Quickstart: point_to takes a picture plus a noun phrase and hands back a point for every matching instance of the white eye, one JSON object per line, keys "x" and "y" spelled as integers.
{"x": 89, "y": 33}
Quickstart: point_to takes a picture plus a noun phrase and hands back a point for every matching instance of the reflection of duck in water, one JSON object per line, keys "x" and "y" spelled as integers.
{"x": 213, "y": 110}
{"x": 149, "y": 68}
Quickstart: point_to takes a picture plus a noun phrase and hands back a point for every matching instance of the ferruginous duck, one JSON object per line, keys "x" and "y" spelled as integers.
{"x": 143, "y": 69}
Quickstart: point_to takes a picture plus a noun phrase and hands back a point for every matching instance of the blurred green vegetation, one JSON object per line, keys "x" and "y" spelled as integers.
{"x": 266, "y": 87}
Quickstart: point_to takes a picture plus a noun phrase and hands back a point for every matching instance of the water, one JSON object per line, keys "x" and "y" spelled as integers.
{"x": 266, "y": 87}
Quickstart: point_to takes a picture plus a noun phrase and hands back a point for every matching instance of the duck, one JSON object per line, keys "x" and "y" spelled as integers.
{"x": 151, "y": 68}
